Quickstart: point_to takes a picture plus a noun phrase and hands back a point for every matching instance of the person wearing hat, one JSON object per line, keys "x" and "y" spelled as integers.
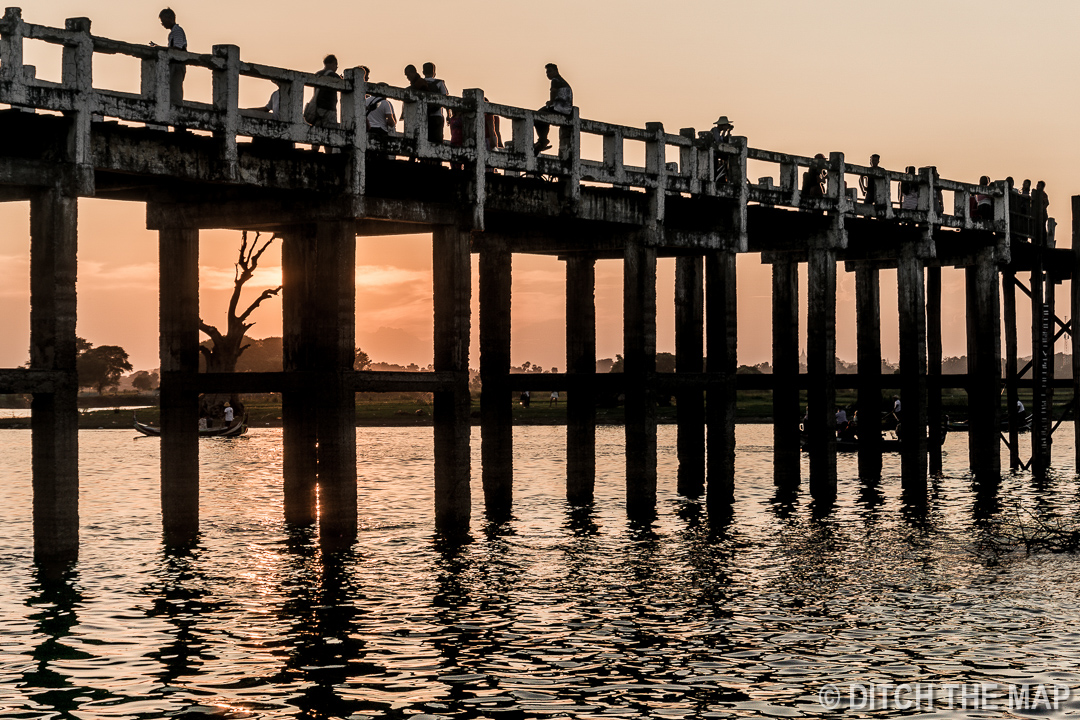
{"x": 229, "y": 414}
{"x": 721, "y": 135}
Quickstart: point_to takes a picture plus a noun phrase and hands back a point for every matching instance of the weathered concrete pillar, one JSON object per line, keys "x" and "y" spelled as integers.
{"x": 984, "y": 366}
{"x": 581, "y": 367}
{"x": 54, "y": 416}
{"x": 787, "y": 461}
{"x": 178, "y": 258}
{"x": 1074, "y": 284}
{"x": 821, "y": 368}
{"x": 934, "y": 416}
{"x": 689, "y": 358}
{"x": 496, "y": 411}
{"x": 335, "y": 331}
{"x": 722, "y": 359}
{"x": 639, "y": 349}
{"x": 1008, "y": 289}
{"x": 868, "y": 338}
{"x": 452, "y": 272}
{"x": 298, "y": 407}
{"x": 912, "y": 308}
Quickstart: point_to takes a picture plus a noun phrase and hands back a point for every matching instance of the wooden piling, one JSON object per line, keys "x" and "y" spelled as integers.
{"x": 496, "y": 411}
{"x": 54, "y": 416}
{"x": 821, "y": 366}
{"x": 581, "y": 368}
{"x": 1075, "y": 297}
{"x": 721, "y": 340}
{"x": 868, "y": 339}
{"x": 934, "y": 416}
{"x": 787, "y": 413}
{"x": 178, "y": 258}
{"x": 298, "y": 408}
{"x": 913, "y": 419}
{"x": 639, "y": 350}
{"x": 334, "y": 330}
{"x": 1008, "y": 289}
{"x": 984, "y": 367}
{"x": 689, "y": 358}
{"x": 451, "y": 284}
{"x": 1040, "y": 411}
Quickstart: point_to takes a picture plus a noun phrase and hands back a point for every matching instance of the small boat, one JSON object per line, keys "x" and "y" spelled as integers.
{"x": 238, "y": 428}
{"x": 1023, "y": 424}
{"x": 887, "y": 444}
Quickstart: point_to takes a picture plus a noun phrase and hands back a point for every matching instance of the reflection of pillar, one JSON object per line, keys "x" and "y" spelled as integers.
{"x": 868, "y": 336}
{"x": 912, "y": 309}
{"x": 984, "y": 366}
{"x": 639, "y": 347}
{"x": 581, "y": 369}
{"x": 54, "y": 416}
{"x": 721, "y": 358}
{"x": 496, "y": 411}
{"x": 1008, "y": 290}
{"x": 934, "y": 417}
{"x": 452, "y": 272}
{"x": 785, "y": 358}
{"x": 334, "y": 331}
{"x": 178, "y": 256}
{"x": 298, "y": 409}
{"x": 821, "y": 369}
{"x": 689, "y": 358}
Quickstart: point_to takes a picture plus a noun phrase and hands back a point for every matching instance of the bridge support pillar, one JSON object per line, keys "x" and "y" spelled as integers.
{"x": 54, "y": 416}
{"x": 1074, "y": 283}
{"x": 721, "y": 357}
{"x": 690, "y": 358}
{"x": 821, "y": 368}
{"x": 178, "y": 257}
{"x": 787, "y": 463}
{"x": 868, "y": 338}
{"x": 912, "y": 308}
{"x": 639, "y": 348}
{"x": 1008, "y": 291}
{"x": 452, "y": 271}
{"x": 984, "y": 367}
{"x": 298, "y": 408}
{"x": 496, "y": 411}
{"x": 581, "y": 368}
{"x": 934, "y": 416}
{"x": 335, "y": 330}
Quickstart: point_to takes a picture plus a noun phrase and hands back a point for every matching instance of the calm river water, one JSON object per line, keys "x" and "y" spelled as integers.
{"x": 560, "y": 612}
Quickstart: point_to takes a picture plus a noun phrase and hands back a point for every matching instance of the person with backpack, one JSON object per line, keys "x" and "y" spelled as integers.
{"x": 381, "y": 120}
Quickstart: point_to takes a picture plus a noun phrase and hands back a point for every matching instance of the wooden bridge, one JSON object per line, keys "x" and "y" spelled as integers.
{"x": 216, "y": 165}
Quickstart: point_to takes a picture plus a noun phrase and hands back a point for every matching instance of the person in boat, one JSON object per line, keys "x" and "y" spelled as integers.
{"x": 228, "y": 414}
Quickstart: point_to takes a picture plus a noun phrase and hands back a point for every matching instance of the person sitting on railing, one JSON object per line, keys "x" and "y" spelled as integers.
{"x": 868, "y": 183}
{"x": 815, "y": 177}
{"x": 561, "y": 101}
{"x": 321, "y": 110}
{"x": 380, "y": 113}
{"x": 909, "y": 190}
{"x": 721, "y": 135}
{"x": 177, "y": 40}
{"x": 492, "y": 136}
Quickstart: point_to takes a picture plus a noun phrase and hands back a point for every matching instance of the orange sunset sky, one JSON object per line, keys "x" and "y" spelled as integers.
{"x": 975, "y": 88}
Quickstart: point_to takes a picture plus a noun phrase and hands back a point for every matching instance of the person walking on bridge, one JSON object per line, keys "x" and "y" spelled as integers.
{"x": 177, "y": 40}
{"x": 721, "y": 135}
{"x": 436, "y": 120}
{"x": 561, "y": 101}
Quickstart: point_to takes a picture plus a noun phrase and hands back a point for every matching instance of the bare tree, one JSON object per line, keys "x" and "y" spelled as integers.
{"x": 227, "y": 347}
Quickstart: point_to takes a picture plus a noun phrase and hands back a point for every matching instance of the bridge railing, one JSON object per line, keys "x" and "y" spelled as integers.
{"x": 692, "y": 173}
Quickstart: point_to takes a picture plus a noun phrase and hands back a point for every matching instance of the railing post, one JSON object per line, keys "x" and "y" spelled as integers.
{"x": 570, "y": 154}
{"x": 962, "y": 207}
{"x": 226, "y": 86}
{"x": 613, "y": 155}
{"x": 522, "y": 141}
{"x": 12, "y": 29}
{"x": 476, "y": 135}
{"x": 354, "y": 120}
{"x": 291, "y": 102}
{"x": 155, "y": 84}
{"x": 414, "y": 114}
{"x": 737, "y": 172}
{"x": 927, "y": 194}
{"x": 688, "y": 160}
{"x": 656, "y": 169}
{"x": 77, "y": 76}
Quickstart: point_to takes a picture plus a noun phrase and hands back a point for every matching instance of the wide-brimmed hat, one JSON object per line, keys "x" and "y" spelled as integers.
{"x": 723, "y": 122}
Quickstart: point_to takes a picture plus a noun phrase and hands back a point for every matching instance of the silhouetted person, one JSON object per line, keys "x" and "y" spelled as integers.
{"x": 561, "y": 100}
{"x": 909, "y": 190}
{"x": 983, "y": 205}
{"x": 321, "y": 111}
{"x": 381, "y": 120}
{"x": 868, "y": 183}
{"x": 721, "y": 135}
{"x": 815, "y": 177}
{"x": 435, "y": 119}
{"x": 177, "y": 40}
